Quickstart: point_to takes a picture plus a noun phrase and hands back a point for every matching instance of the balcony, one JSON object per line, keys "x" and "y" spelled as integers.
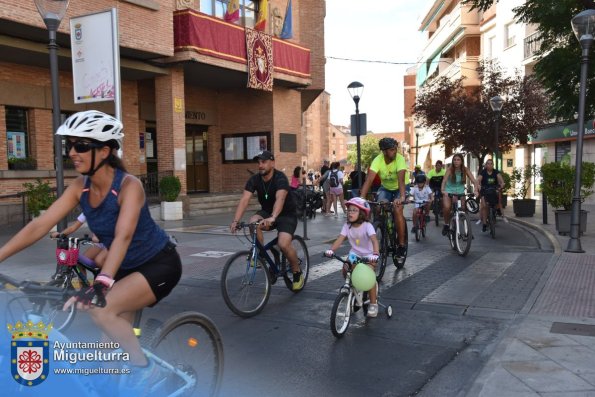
{"x": 222, "y": 46}
{"x": 532, "y": 45}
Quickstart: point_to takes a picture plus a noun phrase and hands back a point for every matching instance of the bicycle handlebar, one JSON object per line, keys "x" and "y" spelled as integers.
{"x": 30, "y": 287}
{"x": 242, "y": 225}
{"x": 345, "y": 261}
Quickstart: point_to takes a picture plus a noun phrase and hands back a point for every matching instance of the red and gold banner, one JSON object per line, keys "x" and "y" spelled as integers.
{"x": 259, "y": 47}
{"x": 208, "y": 35}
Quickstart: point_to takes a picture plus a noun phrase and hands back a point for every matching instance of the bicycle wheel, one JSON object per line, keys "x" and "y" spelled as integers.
{"x": 423, "y": 229}
{"x": 191, "y": 344}
{"x": 436, "y": 210}
{"x": 492, "y": 222}
{"x": 383, "y": 245}
{"x": 400, "y": 262}
{"x": 341, "y": 313}
{"x": 246, "y": 288}
{"x": 302, "y": 253}
{"x": 451, "y": 233}
{"x": 471, "y": 205}
{"x": 41, "y": 308}
{"x": 418, "y": 229}
{"x": 463, "y": 235}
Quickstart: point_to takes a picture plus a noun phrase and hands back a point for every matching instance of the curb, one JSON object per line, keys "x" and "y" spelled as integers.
{"x": 553, "y": 240}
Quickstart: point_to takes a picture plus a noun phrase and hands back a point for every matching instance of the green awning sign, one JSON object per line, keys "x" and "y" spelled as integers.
{"x": 563, "y": 132}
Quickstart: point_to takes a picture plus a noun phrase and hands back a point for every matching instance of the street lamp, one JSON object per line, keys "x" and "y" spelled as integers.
{"x": 416, "y": 147}
{"x": 583, "y": 25}
{"x": 496, "y": 104}
{"x": 355, "y": 90}
{"x": 52, "y": 12}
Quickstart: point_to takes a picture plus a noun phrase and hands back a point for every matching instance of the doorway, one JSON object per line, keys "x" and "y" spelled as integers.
{"x": 197, "y": 169}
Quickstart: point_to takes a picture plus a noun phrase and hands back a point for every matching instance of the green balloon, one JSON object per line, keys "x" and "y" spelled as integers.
{"x": 363, "y": 277}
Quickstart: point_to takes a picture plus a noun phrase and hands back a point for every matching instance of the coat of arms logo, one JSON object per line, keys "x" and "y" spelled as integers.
{"x": 29, "y": 363}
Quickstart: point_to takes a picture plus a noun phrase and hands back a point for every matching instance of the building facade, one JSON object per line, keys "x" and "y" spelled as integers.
{"x": 186, "y": 107}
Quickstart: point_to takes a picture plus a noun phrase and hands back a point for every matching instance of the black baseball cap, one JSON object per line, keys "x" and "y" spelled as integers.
{"x": 264, "y": 155}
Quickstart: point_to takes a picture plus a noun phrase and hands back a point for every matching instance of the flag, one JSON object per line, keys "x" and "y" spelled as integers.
{"x": 233, "y": 11}
{"x": 287, "y": 31}
{"x": 263, "y": 13}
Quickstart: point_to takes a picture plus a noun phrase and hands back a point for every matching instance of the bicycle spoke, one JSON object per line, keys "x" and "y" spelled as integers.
{"x": 191, "y": 344}
{"x": 341, "y": 314}
{"x": 383, "y": 243}
{"x": 463, "y": 235}
{"x": 245, "y": 285}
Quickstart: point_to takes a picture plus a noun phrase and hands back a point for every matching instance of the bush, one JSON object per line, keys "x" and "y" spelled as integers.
{"x": 558, "y": 183}
{"x": 520, "y": 178}
{"x": 26, "y": 163}
{"x": 40, "y": 196}
{"x": 169, "y": 188}
{"x": 507, "y": 182}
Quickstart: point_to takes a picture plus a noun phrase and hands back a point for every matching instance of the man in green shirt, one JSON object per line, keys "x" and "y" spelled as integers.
{"x": 390, "y": 166}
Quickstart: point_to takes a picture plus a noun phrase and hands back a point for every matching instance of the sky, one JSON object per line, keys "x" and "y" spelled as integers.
{"x": 370, "y": 30}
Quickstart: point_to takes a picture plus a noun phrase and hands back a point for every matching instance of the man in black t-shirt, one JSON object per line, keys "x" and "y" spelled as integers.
{"x": 278, "y": 209}
{"x": 491, "y": 183}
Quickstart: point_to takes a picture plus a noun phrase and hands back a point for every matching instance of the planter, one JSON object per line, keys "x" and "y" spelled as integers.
{"x": 523, "y": 207}
{"x": 172, "y": 211}
{"x": 563, "y": 222}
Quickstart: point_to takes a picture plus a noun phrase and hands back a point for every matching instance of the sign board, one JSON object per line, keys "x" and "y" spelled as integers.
{"x": 95, "y": 57}
{"x": 358, "y": 128}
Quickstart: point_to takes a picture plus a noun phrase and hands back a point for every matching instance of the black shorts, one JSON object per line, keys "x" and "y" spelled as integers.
{"x": 283, "y": 223}
{"x": 162, "y": 272}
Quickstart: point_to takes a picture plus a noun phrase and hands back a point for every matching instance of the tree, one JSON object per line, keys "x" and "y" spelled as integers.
{"x": 558, "y": 66}
{"x": 369, "y": 150}
{"x": 461, "y": 117}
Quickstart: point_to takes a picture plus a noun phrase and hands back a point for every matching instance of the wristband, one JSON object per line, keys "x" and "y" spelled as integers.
{"x": 105, "y": 279}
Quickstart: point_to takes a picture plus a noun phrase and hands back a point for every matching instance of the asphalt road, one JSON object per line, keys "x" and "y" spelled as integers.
{"x": 448, "y": 313}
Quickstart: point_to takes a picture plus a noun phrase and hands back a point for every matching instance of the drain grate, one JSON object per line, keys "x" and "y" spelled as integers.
{"x": 573, "y": 329}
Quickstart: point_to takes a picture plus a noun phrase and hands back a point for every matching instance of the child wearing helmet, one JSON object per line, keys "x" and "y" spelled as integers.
{"x": 362, "y": 237}
{"x": 422, "y": 197}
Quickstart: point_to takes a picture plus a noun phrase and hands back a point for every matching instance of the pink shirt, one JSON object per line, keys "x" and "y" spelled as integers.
{"x": 359, "y": 238}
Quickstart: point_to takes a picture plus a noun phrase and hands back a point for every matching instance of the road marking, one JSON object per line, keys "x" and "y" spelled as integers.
{"x": 471, "y": 282}
{"x": 212, "y": 254}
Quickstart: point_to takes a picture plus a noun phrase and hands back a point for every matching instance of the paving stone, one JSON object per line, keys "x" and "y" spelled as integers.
{"x": 546, "y": 376}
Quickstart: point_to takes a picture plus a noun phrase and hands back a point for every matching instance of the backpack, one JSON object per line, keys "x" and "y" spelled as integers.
{"x": 334, "y": 179}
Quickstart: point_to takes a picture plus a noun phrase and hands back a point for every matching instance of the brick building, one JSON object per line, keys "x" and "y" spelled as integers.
{"x": 185, "y": 105}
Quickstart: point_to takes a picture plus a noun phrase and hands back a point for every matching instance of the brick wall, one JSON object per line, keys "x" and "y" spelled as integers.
{"x": 139, "y": 26}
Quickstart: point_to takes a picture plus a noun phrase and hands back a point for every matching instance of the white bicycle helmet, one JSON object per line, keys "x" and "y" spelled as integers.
{"x": 92, "y": 124}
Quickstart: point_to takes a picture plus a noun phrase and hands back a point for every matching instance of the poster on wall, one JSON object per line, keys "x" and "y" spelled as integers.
{"x": 16, "y": 144}
{"x": 95, "y": 57}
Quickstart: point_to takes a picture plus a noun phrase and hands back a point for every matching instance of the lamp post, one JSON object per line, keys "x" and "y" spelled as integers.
{"x": 583, "y": 25}
{"x": 416, "y": 147}
{"x": 496, "y": 104}
{"x": 52, "y": 12}
{"x": 355, "y": 90}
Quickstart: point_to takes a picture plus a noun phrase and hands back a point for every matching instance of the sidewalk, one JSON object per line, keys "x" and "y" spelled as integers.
{"x": 550, "y": 348}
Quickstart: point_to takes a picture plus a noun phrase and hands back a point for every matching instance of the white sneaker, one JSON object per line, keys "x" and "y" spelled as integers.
{"x": 372, "y": 310}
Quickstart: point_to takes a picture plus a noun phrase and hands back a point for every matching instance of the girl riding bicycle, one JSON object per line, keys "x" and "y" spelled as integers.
{"x": 362, "y": 237}
{"x": 141, "y": 266}
{"x": 422, "y": 196}
{"x": 453, "y": 185}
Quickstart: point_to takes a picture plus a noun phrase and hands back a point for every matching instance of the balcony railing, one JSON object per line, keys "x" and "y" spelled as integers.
{"x": 532, "y": 44}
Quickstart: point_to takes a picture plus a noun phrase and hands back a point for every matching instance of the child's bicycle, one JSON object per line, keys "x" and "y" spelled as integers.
{"x": 350, "y": 299}
{"x": 187, "y": 346}
{"x": 73, "y": 272}
{"x": 247, "y": 276}
{"x": 420, "y": 228}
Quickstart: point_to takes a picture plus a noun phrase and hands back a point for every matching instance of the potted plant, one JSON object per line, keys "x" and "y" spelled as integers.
{"x": 520, "y": 179}
{"x": 169, "y": 190}
{"x": 506, "y": 188}
{"x": 558, "y": 186}
{"x": 39, "y": 196}
{"x": 25, "y": 163}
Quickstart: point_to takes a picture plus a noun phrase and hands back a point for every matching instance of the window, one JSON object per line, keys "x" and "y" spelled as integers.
{"x": 218, "y": 8}
{"x": 563, "y": 151}
{"x": 509, "y": 37}
{"x": 16, "y": 133}
{"x": 490, "y": 47}
{"x": 241, "y": 148}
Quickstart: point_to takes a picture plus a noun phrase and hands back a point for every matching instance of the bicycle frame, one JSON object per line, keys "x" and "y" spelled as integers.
{"x": 259, "y": 250}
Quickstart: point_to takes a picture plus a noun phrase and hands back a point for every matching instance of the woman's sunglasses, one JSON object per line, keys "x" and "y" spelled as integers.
{"x": 82, "y": 146}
